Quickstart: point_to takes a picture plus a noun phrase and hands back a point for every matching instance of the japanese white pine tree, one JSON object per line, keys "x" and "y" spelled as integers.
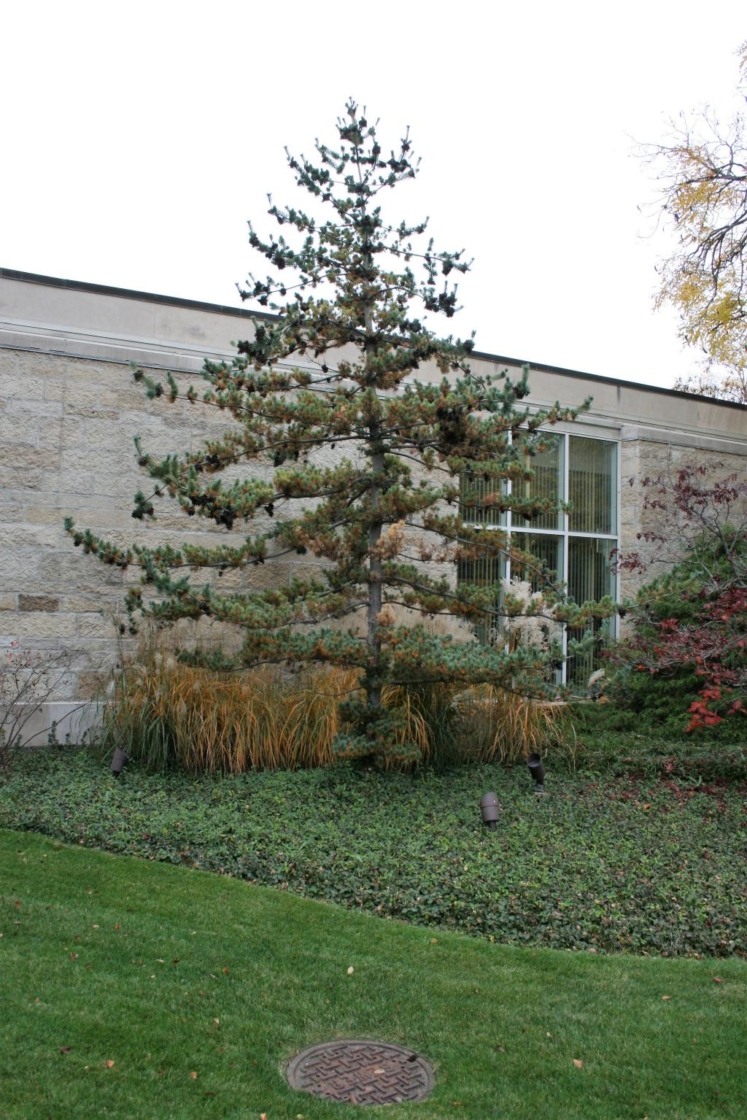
{"x": 349, "y": 456}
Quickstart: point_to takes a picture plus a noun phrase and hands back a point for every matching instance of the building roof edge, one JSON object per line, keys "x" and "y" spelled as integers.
{"x": 241, "y": 312}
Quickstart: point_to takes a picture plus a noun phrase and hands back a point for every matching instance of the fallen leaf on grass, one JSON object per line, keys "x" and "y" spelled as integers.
{"x": 109, "y": 1063}
{"x": 351, "y": 970}
{"x": 216, "y": 1021}
{"x": 193, "y": 1075}
{"x": 73, "y": 956}
{"x": 666, "y": 997}
{"x": 578, "y": 1063}
{"x": 717, "y": 980}
{"x": 225, "y": 971}
{"x": 65, "y": 1049}
{"x": 263, "y": 1116}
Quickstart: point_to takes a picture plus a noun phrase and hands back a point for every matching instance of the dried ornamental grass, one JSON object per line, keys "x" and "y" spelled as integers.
{"x": 497, "y": 725}
{"x": 166, "y": 713}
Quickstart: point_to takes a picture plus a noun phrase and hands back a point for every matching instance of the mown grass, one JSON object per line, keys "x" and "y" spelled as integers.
{"x": 166, "y": 973}
{"x": 629, "y": 862}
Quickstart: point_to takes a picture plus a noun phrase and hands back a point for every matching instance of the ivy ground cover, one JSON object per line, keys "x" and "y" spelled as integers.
{"x": 642, "y": 865}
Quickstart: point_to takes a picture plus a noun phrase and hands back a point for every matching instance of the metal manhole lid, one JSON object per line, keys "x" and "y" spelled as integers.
{"x": 358, "y": 1071}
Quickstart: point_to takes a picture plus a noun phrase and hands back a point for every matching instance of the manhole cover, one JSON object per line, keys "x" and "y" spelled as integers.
{"x": 360, "y": 1072}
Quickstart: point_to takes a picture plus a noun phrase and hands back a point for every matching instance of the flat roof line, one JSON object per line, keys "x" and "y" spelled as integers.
{"x": 224, "y": 309}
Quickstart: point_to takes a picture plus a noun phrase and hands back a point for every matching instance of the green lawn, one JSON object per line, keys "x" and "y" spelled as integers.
{"x": 167, "y": 972}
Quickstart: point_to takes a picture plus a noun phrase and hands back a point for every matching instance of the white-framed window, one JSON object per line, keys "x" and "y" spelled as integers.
{"x": 575, "y": 546}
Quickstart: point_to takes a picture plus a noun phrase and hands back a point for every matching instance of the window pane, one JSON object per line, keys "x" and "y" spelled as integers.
{"x": 484, "y": 572}
{"x": 547, "y": 550}
{"x": 474, "y": 492}
{"x": 589, "y": 573}
{"x": 547, "y": 467}
{"x": 589, "y": 578}
{"x": 592, "y": 485}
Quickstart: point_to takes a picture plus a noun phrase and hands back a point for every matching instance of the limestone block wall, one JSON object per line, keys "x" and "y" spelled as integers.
{"x": 650, "y": 459}
{"x": 66, "y": 450}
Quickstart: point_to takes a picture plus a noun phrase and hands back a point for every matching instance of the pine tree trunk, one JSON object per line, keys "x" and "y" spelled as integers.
{"x": 373, "y": 692}
{"x": 373, "y": 675}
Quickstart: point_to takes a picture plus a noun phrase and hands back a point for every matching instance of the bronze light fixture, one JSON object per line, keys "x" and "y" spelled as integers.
{"x": 120, "y": 760}
{"x": 489, "y": 809}
{"x": 537, "y": 770}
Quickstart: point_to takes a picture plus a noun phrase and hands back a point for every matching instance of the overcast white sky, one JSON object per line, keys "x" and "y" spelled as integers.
{"x": 139, "y": 138}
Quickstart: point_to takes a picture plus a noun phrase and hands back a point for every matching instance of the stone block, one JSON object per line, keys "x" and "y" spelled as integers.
{"x": 18, "y": 430}
{"x": 96, "y": 461}
{"x": 120, "y": 486}
{"x": 24, "y": 458}
{"x": 69, "y": 482}
{"x": 17, "y": 565}
{"x": 38, "y": 603}
{"x": 65, "y": 431}
{"x": 93, "y": 684}
{"x": 79, "y": 395}
{"x": 34, "y": 364}
{"x": 98, "y": 625}
{"x": 230, "y": 581}
{"x": 127, "y": 398}
{"x": 63, "y": 571}
{"x": 25, "y": 535}
{"x": 77, "y": 604}
{"x": 43, "y": 625}
{"x": 8, "y": 601}
{"x": 51, "y": 514}
{"x": 33, "y": 408}
{"x": 14, "y": 386}
{"x": 111, "y": 437}
{"x": 54, "y": 389}
{"x": 18, "y": 479}
{"x": 83, "y": 410}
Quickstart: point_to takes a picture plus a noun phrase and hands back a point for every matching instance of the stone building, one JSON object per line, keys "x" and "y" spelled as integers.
{"x": 69, "y": 410}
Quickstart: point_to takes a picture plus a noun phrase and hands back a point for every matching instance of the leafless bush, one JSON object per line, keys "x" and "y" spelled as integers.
{"x": 28, "y": 679}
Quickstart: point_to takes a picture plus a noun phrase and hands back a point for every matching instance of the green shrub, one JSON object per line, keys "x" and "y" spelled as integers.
{"x": 683, "y": 666}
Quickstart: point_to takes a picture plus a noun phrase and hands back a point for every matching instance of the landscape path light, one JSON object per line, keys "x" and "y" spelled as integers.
{"x": 537, "y": 770}
{"x": 120, "y": 760}
{"x": 489, "y": 809}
